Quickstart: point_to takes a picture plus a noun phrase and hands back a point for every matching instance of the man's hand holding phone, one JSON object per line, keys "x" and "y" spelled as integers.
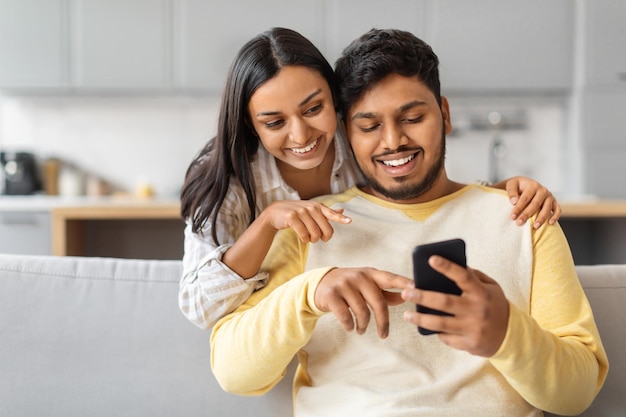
{"x": 476, "y": 320}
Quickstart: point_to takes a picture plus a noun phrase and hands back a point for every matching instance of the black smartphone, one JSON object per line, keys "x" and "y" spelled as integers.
{"x": 427, "y": 278}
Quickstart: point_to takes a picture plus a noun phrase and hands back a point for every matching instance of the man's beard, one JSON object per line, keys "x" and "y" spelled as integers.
{"x": 411, "y": 191}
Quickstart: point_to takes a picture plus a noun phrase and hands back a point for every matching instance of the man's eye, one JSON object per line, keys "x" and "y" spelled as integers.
{"x": 416, "y": 119}
{"x": 370, "y": 128}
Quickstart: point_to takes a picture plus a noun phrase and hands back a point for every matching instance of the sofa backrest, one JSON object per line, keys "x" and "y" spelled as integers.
{"x": 605, "y": 287}
{"x": 102, "y": 337}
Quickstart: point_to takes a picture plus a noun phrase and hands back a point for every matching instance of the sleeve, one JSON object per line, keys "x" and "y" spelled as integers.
{"x": 554, "y": 357}
{"x": 251, "y": 347}
{"x": 209, "y": 289}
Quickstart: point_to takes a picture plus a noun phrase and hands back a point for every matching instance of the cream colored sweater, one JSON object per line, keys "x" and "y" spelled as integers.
{"x": 551, "y": 359}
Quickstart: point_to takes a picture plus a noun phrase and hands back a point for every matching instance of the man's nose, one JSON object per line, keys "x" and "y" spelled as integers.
{"x": 299, "y": 131}
{"x": 394, "y": 136}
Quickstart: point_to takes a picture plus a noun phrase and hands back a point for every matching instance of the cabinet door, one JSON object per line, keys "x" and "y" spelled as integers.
{"x": 33, "y": 43}
{"x": 121, "y": 44}
{"x": 504, "y": 45}
{"x": 209, "y": 34}
{"x": 349, "y": 19}
{"x": 25, "y": 233}
{"x": 604, "y": 139}
{"x": 605, "y": 47}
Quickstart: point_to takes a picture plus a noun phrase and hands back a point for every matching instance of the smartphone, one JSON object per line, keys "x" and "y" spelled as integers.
{"x": 427, "y": 278}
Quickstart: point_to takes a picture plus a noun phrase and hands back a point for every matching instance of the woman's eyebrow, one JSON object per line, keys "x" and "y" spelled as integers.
{"x": 310, "y": 96}
{"x": 302, "y": 103}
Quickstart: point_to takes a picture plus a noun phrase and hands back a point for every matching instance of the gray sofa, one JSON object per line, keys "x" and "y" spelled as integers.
{"x": 104, "y": 337}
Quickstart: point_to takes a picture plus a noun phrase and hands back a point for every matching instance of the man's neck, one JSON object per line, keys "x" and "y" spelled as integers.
{"x": 441, "y": 188}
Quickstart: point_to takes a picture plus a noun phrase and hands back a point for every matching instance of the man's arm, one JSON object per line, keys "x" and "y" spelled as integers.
{"x": 553, "y": 357}
{"x": 559, "y": 343}
{"x": 251, "y": 347}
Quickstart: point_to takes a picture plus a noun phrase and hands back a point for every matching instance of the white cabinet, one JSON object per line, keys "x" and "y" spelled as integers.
{"x": 605, "y": 47}
{"x": 604, "y": 97}
{"x": 188, "y": 45}
{"x": 209, "y": 34}
{"x": 25, "y": 232}
{"x": 121, "y": 44}
{"x": 349, "y": 19}
{"x": 33, "y": 43}
{"x": 504, "y": 45}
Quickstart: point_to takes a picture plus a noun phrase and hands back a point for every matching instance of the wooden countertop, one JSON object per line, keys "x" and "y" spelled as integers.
{"x": 593, "y": 209}
{"x": 120, "y": 209}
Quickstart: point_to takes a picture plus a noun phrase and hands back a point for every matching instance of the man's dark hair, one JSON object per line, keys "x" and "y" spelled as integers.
{"x": 379, "y": 53}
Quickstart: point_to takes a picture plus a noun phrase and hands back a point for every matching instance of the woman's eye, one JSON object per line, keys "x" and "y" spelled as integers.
{"x": 273, "y": 124}
{"x": 313, "y": 110}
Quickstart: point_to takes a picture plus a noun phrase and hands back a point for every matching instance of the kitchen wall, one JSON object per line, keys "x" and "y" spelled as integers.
{"x": 126, "y": 141}
{"x": 129, "y": 141}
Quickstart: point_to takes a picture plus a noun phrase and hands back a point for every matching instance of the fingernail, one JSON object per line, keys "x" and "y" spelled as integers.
{"x": 513, "y": 200}
{"x": 537, "y": 225}
{"x": 513, "y": 216}
{"x": 519, "y": 222}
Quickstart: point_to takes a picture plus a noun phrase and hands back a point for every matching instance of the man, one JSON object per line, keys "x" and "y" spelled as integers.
{"x": 521, "y": 337}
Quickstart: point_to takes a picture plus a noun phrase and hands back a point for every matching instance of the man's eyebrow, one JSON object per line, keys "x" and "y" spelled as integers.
{"x": 403, "y": 108}
{"x": 302, "y": 103}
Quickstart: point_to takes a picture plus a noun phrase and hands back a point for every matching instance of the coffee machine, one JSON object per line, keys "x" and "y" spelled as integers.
{"x": 19, "y": 174}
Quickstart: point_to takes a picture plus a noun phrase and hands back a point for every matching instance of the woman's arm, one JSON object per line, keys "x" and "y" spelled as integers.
{"x": 309, "y": 219}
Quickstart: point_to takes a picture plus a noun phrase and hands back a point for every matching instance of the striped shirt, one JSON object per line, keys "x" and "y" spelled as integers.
{"x": 209, "y": 289}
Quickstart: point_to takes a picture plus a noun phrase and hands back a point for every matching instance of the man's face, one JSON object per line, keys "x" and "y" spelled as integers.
{"x": 397, "y": 132}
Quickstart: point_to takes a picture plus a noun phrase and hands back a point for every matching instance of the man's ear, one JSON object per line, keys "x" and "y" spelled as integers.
{"x": 445, "y": 112}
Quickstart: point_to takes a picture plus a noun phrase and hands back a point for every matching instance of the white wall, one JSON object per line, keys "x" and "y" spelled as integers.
{"x": 128, "y": 140}
{"x": 119, "y": 139}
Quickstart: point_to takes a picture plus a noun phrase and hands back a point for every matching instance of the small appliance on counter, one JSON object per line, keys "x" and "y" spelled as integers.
{"x": 19, "y": 173}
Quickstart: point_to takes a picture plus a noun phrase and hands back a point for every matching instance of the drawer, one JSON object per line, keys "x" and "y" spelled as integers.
{"x": 25, "y": 233}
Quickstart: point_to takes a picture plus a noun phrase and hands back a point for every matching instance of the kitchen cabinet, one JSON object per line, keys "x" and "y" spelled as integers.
{"x": 605, "y": 42}
{"x": 184, "y": 46}
{"x": 121, "y": 44}
{"x": 348, "y": 19}
{"x": 33, "y": 43}
{"x": 209, "y": 34}
{"x": 25, "y": 232}
{"x": 495, "y": 45}
{"x": 603, "y": 98}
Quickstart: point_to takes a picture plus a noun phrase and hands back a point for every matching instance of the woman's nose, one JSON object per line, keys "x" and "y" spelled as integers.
{"x": 299, "y": 131}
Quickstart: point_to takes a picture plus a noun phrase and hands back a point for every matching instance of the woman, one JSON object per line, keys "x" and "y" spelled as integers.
{"x": 273, "y": 151}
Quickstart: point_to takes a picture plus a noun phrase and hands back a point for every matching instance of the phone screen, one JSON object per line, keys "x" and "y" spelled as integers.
{"x": 427, "y": 278}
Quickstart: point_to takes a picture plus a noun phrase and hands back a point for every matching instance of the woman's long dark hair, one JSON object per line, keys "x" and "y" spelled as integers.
{"x": 230, "y": 152}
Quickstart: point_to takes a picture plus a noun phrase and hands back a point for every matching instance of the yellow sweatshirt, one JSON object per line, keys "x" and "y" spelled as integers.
{"x": 551, "y": 359}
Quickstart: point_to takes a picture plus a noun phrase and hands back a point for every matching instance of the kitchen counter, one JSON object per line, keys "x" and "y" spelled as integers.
{"x": 73, "y": 222}
{"x": 80, "y": 225}
{"x": 168, "y": 207}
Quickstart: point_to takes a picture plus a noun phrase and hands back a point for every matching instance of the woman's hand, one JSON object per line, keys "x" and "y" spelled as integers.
{"x": 309, "y": 219}
{"x": 530, "y": 198}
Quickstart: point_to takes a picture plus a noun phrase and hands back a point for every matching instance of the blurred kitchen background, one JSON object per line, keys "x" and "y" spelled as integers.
{"x": 117, "y": 96}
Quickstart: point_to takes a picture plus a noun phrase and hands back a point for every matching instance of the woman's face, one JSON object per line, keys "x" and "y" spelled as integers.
{"x": 294, "y": 116}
